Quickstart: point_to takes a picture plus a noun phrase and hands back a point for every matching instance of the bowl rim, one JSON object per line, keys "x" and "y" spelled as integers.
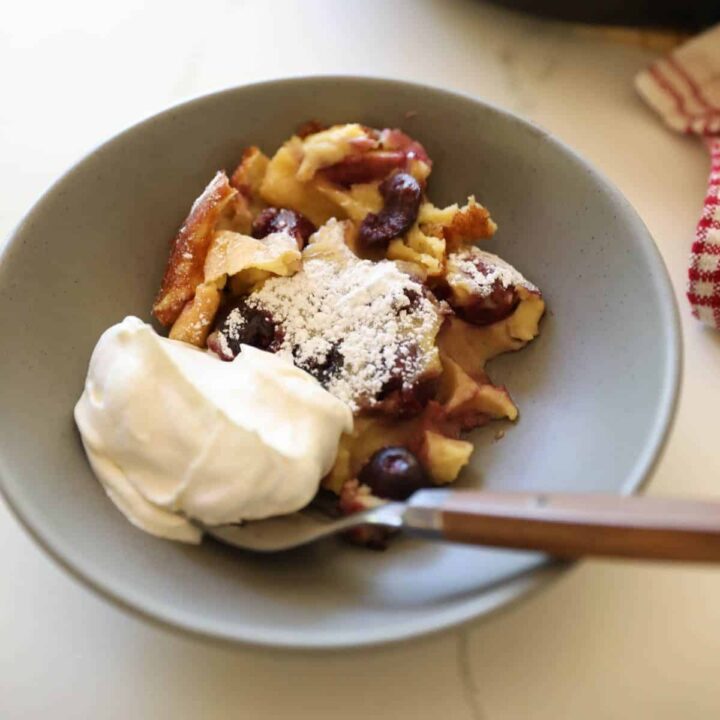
{"x": 488, "y": 601}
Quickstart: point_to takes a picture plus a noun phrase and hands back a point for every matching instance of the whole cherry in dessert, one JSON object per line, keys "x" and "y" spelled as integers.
{"x": 365, "y": 167}
{"x": 272, "y": 220}
{"x": 497, "y": 304}
{"x": 402, "y": 195}
{"x": 491, "y": 308}
{"x": 324, "y": 370}
{"x": 242, "y": 324}
{"x": 394, "y": 473}
{"x": 405, "y": 401}
{"x": 394, "y": 139}
{"x": 376, "y": 156}
{"x": 489, "y": 287}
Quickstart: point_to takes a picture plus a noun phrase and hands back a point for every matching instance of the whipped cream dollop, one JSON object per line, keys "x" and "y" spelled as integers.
{"x": 172, "y": 432}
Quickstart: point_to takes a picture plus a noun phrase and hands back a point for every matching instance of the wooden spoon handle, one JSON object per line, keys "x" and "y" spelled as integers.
{"x": 573, "y": 525}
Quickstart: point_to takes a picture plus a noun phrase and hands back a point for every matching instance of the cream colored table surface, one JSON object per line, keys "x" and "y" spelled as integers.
{"x": 608, "y": 640}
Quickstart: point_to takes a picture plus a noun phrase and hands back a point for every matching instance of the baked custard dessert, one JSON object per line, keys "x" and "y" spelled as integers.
{"x": 330, "y": 261}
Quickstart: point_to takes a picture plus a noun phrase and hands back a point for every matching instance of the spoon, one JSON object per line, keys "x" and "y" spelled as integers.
{"x": 564, "y": 525}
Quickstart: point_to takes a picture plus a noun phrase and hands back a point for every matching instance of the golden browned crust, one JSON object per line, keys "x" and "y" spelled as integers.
{"x": 470, "y": 223}
{"x": 184, "y": 271}
{"x": 249, "y": 174}
{"x": 196, "y": 318}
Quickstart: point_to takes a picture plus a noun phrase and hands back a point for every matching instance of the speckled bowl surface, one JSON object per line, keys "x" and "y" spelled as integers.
{"x": 596, "y": 391}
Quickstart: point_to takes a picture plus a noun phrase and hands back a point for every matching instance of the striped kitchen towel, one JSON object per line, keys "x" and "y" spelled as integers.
{"x": 684, "y": 88}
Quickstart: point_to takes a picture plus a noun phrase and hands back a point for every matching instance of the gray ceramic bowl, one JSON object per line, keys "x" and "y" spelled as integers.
{"x": 596, "y": 390}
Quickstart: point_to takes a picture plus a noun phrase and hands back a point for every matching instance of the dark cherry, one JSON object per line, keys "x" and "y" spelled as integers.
{"x": 489, "y": 309}
{"x": 499, "y": 304}
{"x": 272, "y": 220}
{"x": 394, "y": 473}
{"x": 393, "y": 385}
{"x": 402, "y": 195}
{"x": 414, "y": 297}
{"x": 324, "y": 371}
{"x": 364, "y": 167}
{"x": 241, "y": 324}
{"x": 478, "y": 309}
{"x": 399, "y": 401}
{"x": 394, "y": 139}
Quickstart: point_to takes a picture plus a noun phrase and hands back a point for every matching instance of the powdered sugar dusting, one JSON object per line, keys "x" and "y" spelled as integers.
{"x": 356, "y": 324}
{"x": 233, "y": 325}
{"x": 480, "y": 271}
